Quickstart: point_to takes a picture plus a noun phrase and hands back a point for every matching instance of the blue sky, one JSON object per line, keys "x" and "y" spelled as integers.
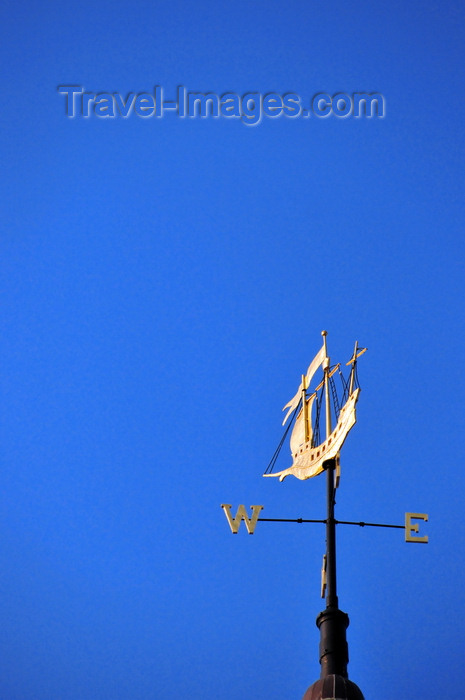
{"x": 164, "y": 285}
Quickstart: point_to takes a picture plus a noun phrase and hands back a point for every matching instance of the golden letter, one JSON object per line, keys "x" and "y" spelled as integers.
{"x": 241, "y": 514}
{"x": 410, "y": 527}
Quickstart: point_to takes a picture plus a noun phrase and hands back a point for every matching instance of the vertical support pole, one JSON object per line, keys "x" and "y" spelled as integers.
{"x": 332, "y": 622}
{"x": 331, "y": 585}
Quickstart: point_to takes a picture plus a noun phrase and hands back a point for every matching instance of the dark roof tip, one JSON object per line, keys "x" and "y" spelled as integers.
{"x": 333, "y": 687}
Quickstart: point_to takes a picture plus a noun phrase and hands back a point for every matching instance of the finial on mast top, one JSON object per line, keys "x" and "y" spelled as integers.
{"x": 324, "y": 333}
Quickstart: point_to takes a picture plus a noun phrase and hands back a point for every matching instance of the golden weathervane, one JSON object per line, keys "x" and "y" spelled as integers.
{"x": 310, "y": 453}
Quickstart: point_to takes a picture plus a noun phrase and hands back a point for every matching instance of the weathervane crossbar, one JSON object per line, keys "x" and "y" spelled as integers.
{"x": 411, "y": 528}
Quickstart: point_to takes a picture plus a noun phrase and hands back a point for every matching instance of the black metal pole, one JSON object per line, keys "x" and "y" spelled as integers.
{"x": 331, "y": 585}
{"x": 332, "y": 622}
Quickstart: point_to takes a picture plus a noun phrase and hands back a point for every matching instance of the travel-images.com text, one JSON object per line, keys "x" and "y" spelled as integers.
{"x": 250, "y": 108}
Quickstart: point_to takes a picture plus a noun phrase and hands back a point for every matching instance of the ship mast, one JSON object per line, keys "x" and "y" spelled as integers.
{"x": 326, "y": 371}
{"x": 353, "y": 362}
{"x": 305, "y": 408}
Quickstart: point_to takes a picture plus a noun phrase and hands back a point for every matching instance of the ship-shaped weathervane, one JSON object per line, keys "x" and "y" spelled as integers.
{"x": 314, "y": 451}
{"x": 309, "y": 452}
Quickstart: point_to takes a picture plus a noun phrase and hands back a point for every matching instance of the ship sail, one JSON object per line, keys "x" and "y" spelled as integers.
{"x": 301, "y": 433}
{"x": 316, "y": 362}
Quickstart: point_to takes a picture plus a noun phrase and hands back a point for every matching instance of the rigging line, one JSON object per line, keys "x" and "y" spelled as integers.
{"x": 270, "y": 466}
{"x": 322, "y": 396}
{"x": 345, "y": 387}
{"x": 356, "y": 382}
{"x": 316, "y": 430}
{"x": 337, "y": 406}
{"x": 275, "y": 455}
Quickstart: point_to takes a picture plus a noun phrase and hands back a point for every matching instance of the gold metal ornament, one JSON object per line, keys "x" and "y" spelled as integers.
{"x": 308, "y": 455}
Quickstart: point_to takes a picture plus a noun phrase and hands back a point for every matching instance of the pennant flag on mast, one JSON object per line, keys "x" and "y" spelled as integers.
{"x": 316, "y": 362}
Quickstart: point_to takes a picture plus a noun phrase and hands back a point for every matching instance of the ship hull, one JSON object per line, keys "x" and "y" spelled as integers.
{"x": 307, "y": 460}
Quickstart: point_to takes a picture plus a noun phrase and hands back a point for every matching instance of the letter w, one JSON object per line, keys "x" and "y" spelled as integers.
{"x": 234, "y": 523}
